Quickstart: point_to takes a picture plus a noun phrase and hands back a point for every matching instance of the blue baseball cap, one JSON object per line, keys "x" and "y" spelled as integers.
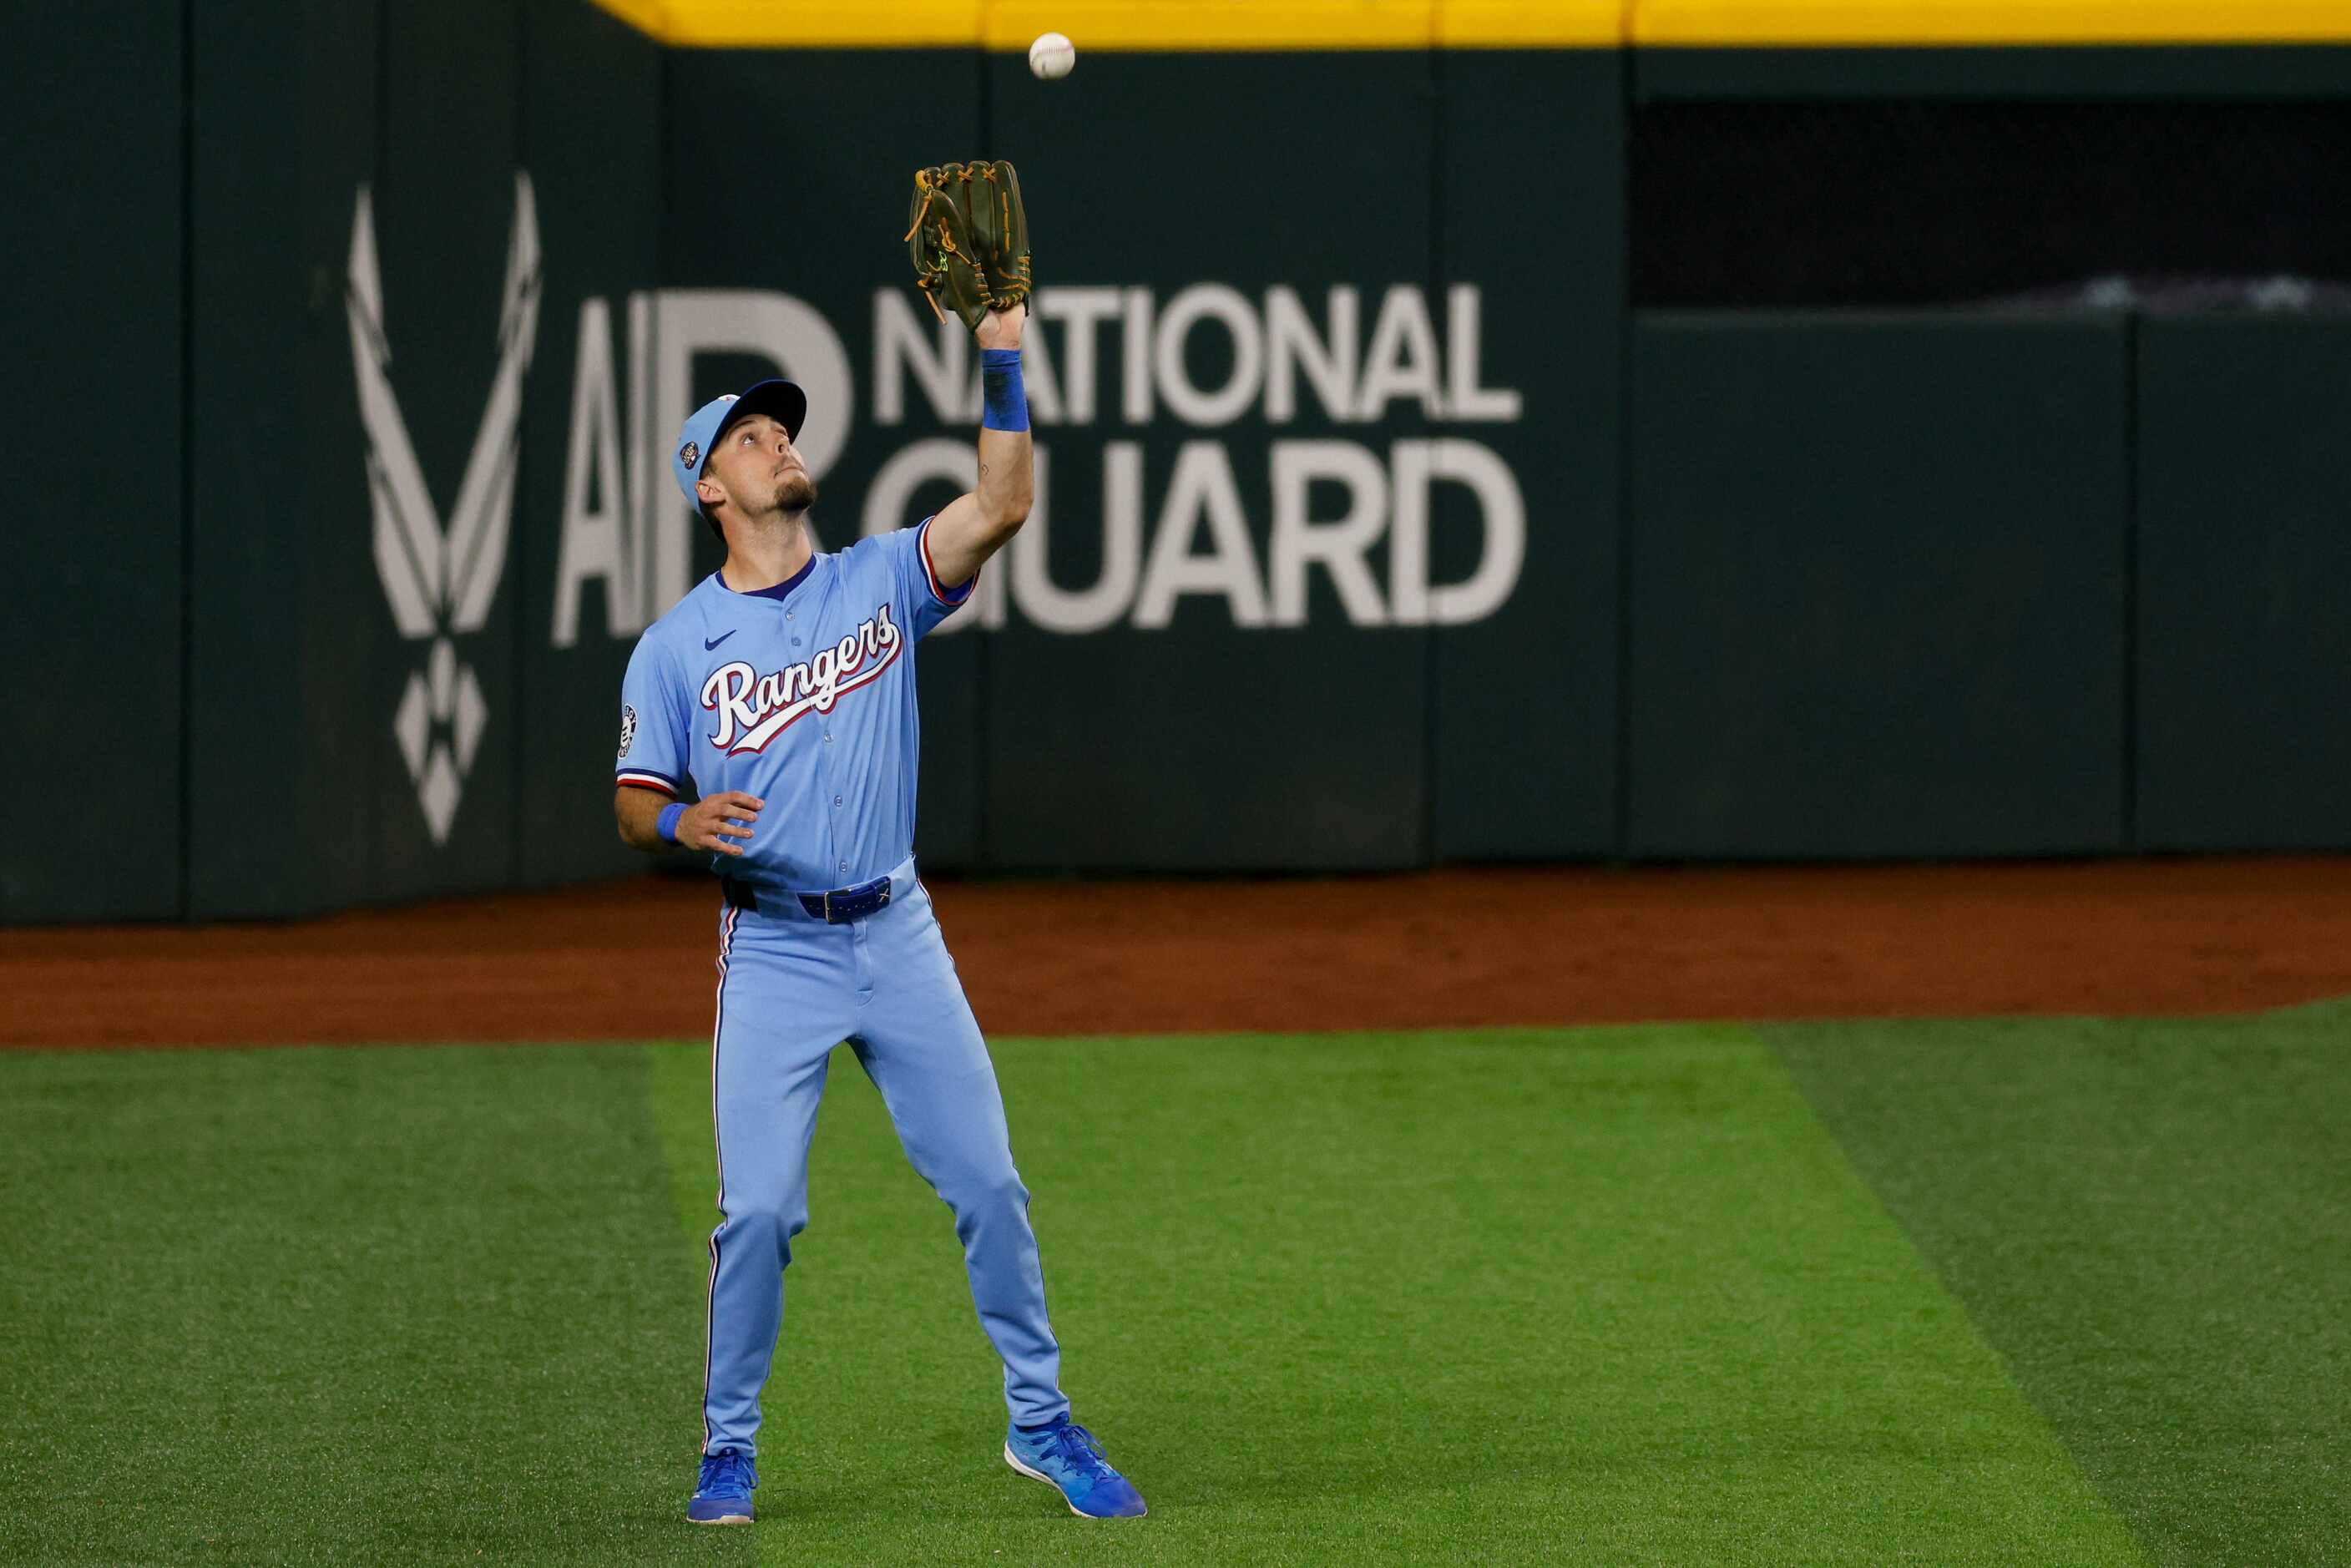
{"x": 781, "y": 401}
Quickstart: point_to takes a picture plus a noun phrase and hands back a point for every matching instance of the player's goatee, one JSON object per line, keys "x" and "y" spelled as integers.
{"x": 795, "y": 493}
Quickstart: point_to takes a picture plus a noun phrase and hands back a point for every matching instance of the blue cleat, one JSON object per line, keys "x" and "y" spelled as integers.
{"x": 724, "y": 1496}
{"x": 1065, "y": 1455}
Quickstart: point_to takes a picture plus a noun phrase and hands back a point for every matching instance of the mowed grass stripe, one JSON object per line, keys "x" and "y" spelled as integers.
{"x": 378, "y": 1306}
{"x": 2151, "y": 1221}
{"x": 1593, "y": 1296}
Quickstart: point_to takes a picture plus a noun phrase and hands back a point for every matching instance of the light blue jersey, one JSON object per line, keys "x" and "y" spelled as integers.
{"x": 802, "y": 695}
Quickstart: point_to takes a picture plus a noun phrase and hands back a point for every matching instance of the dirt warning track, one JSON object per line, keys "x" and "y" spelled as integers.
{"x": 634, "y": 959}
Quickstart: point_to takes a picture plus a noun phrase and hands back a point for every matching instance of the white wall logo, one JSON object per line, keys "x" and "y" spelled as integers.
{"x": 440, "y": 579}
{"x": 1363, "y": 515}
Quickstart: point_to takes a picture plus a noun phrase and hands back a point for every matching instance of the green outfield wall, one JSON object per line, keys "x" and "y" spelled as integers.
{"x": 1878, "y": 585}
{"x": 1393, "y": 509}
{"x": 95, "y": 228}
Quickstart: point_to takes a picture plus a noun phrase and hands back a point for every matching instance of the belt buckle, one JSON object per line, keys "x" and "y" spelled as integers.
{"x": 828, "y": 910}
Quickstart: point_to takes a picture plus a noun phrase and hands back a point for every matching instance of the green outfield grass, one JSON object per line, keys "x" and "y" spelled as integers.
{"x": 2050, "y": 1291}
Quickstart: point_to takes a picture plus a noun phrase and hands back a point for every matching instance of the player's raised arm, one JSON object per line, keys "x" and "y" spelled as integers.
{"x": 969, "y": 241}
{"x": 972, "y": 528}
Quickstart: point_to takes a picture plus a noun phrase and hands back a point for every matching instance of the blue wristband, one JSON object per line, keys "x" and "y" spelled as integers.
{"x": 1006, "y": 401}
{"x": 667, "y": 823}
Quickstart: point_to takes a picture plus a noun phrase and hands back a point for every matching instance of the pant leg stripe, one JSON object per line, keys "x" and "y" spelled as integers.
{"x": 709, "y": 1320}
{"x": 725, "y": 951}
{"x": 710, "y": 1299}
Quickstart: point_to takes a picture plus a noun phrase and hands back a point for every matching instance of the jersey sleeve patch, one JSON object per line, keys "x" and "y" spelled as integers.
{"x": 943, "y": 593}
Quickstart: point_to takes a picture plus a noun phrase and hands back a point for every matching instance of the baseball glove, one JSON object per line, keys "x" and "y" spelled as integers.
{"x": 969, "y": 240}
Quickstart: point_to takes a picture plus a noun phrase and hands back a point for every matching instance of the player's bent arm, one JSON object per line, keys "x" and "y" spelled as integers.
{"x": 717, "y": 822}
{"x": 975, "y": 526}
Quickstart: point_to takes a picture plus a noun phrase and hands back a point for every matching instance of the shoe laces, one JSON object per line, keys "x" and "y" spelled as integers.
{"x": 727, "y": 1472}
{"x": 1078, "y": 1449}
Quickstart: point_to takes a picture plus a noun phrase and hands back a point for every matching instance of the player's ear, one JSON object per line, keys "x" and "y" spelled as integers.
{"x": 706, "y": 490}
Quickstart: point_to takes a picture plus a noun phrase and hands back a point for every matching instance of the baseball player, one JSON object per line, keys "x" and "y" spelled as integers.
{"x": 783, "y": 685}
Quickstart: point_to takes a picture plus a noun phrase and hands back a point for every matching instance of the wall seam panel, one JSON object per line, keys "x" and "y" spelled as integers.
{"x": 1627, "y": 96}
{"x": 518, "y": 540}
{"x": 2132, "y": 325}
{"x": 184, "y": 790}
{"x": 1432, "y": 665}
{"x": 379, "y": 167}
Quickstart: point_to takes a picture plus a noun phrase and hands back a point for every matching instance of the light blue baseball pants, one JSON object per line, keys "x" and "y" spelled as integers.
{"x": 791, "y": 987}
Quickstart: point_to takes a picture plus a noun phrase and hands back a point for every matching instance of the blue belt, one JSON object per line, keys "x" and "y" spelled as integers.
{"x": 837, "y": 907}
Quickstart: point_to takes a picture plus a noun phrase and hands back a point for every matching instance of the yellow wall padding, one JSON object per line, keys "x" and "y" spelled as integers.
{"x": 1211, "y": 25}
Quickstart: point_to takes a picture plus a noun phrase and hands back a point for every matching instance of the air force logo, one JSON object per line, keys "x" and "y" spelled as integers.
{"x": 441, "y": 578}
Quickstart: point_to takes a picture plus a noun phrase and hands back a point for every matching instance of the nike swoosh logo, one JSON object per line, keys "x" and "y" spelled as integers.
{"x": 714, "y": 642}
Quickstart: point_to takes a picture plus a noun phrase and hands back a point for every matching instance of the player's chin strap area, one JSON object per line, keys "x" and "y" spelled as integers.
{"x": 837, "y": 907}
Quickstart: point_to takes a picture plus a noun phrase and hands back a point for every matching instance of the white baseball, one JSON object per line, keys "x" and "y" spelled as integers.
{"x": 1051, "y": 57}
